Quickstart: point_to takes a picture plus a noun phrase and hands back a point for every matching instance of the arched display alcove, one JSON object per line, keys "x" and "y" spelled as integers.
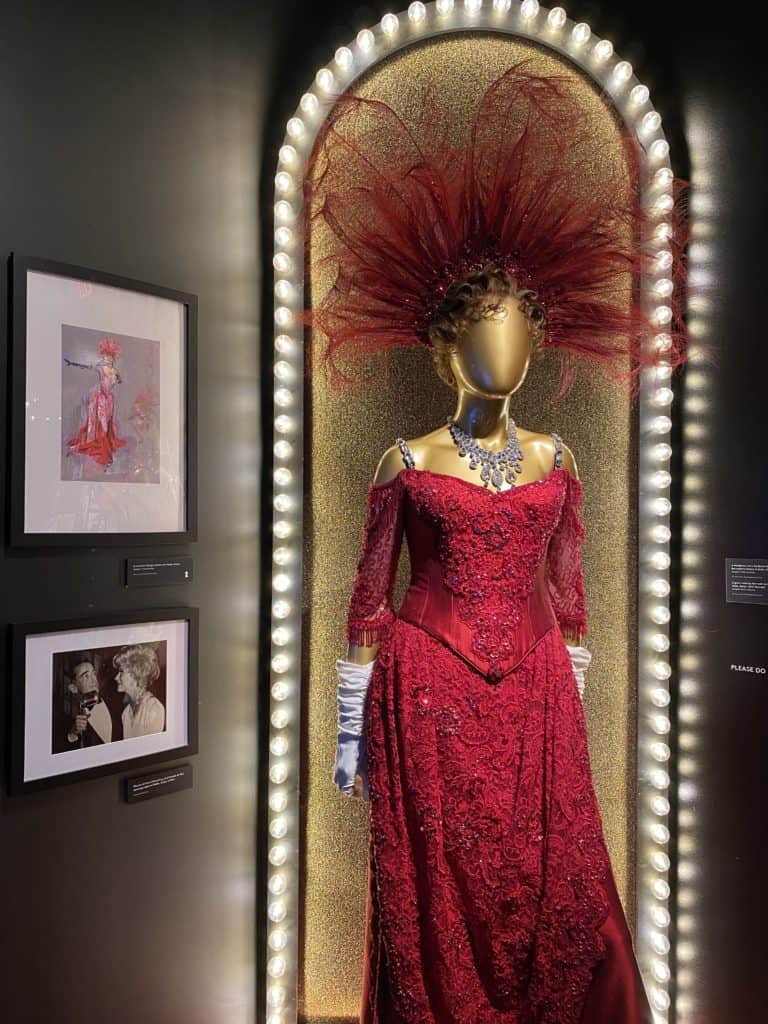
{"x": 326, "y": 448}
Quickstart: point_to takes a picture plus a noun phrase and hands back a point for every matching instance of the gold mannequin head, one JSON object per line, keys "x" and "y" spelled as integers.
{"x": 485, "y": 332}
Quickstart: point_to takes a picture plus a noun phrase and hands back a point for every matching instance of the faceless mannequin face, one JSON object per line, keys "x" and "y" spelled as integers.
{"x": 492, "y": 356}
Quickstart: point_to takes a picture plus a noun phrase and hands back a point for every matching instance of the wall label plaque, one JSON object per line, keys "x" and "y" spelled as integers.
{"x": 157, "y": 572}
{"x": 746, "y": 580}
{"x": 168, "y": 780}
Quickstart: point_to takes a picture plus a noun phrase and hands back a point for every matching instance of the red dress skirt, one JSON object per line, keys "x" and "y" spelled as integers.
{"x": 491, "y": 895}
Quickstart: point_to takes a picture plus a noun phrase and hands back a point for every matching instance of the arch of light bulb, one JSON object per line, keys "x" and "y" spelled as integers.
{"x": 596, "y": 57}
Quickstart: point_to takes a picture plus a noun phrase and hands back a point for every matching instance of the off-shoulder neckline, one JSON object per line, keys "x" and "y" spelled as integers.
{"x": 470, "y": 483}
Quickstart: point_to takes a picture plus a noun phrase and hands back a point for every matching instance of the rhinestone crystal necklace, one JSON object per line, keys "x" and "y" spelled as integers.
{"x": 496, "y": 467}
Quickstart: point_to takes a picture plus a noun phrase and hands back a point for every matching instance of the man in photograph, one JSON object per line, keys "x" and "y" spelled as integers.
{"x": 83, "y": 718}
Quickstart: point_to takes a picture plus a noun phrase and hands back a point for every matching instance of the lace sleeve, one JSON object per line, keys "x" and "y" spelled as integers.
{"x": 565, "y": 569}
{"x": 370, "y": 615}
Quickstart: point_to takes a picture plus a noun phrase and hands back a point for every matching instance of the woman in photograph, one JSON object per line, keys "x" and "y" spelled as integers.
{"x": 137, "y": 671}
{"x": 97, "y": 436}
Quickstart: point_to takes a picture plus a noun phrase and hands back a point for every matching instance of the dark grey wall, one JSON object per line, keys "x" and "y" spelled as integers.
{"x": 131, "y": 139}
{"x": 142, "y": 139}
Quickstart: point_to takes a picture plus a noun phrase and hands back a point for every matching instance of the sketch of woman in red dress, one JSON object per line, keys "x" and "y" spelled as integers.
{"x": 98, "y": 437}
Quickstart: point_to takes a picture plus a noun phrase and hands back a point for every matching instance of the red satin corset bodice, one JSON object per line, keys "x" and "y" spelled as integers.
{"x": 491, "y": 571}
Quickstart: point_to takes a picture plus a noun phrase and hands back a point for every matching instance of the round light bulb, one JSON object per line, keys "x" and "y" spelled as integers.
{"x": 276, "y": 966}
{"x": 660, "y": 615}
{"x": 417, "y": 12}
{"x": 650, "y": 123}
{"x": 283, "y": 236}
{"x": 660, "y": 588}
{"x": 557, "y": 17}
{"x": 623, "y": 71}
{"x": 661, "y": 479}
{"x": 276, "y": 886}
{"x": 283, "y": 181}
{"x": 659, "y": 834}
{"x": 282, "y": 449}
{"x": 660, "y": 943}
{"x": 502, "y": 6}
{"x": 283, "y": 424}
{"x": 581, "y": 33}
{"x": 282, "y": 529}
{"x": 278, "y": 828}
{"x": 639, "y": 95}
{"x": 278, "y": 854}
{"x": 660, "y": 560}
{"x": 660, "y": 805}
{"x": 661, "y": 972}
{"x": 281, "y": 636}
{"x": 280, "y": 663}
{"x": 659, "y": 149}
{"x": 276, "y": 910}
{"x": 365, "y": 40}
{"x": 660, "y": 751}
{"x": 389, "y": 24}
{"x": 280, "y": 691}
{"x": 309, "y": 103}
{"x": 283, "y": 397}
{"x": 281, "y": 583}
{"x": 661, "y": 889}
{"x": 295, "y": 128}
{"x": 275, "y": 996}
{"x": 660, "y": 725}
{"x": 279, "y": 772}
{"x": 278, "y": 801}
{"x": 343, "y": 57}
{"x": 324, "y": 79}
{"x": 281, "y": 261}
{"x": 279, "y": 747}
{"x": 529, "y": 9}
{"x": 281, "y": 609}
{"x": 603, "y": 50}
{"x": 660, "y": 698}
{"x": 287, "y": 155}
{"x": 661, "y": 534}
{"x": 279, "y": 720}
{"x": 444, "y": 7}
{"x": 659, "y": 779}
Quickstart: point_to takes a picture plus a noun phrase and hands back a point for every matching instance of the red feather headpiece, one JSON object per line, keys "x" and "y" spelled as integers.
{"x": 109, "y": 347}
{"x": 408, "y": 212}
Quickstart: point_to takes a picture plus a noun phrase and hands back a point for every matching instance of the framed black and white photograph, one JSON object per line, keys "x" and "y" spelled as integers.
{"x": 102, "y": 695}
{"x": 103, "y": 397}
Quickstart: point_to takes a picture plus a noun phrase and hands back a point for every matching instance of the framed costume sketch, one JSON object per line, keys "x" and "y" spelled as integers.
{"x": 103, "y": 408}
{"x": 96, "y": 696}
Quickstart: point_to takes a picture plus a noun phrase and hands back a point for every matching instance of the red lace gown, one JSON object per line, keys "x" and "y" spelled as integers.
{"x": 491, "y": 896}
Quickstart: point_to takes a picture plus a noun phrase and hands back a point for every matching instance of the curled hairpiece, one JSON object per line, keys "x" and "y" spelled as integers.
{"x": 409, "y": 213}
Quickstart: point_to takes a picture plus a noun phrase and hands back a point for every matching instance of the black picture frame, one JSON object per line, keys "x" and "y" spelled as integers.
{"x": 19, "y": 634}
{"x": 19, "y": 267}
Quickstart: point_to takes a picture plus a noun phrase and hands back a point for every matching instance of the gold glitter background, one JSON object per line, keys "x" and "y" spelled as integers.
{"x": 345, "y": 437}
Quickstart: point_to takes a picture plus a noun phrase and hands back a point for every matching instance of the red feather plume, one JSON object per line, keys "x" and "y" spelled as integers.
{"x": 408, "y": 211}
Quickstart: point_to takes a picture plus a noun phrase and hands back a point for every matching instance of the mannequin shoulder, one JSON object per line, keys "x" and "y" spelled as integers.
{"x": 391, "y": 462}
{"x": 543, "y": 445}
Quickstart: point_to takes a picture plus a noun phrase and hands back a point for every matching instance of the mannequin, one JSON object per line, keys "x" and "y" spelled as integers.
{"x": 491, "y": 894}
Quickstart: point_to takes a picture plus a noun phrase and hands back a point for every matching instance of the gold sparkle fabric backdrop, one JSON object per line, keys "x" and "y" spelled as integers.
{"x": 345, "y": 438}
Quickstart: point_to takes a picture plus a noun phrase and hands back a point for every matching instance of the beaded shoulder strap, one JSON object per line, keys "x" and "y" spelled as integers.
{"x": 558, "y": 450}
{"x": 405, "y": 451}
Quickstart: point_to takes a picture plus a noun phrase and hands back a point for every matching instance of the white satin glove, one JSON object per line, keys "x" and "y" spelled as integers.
{"x": 580, "y": 659}
{"x": 351, "y": 756}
